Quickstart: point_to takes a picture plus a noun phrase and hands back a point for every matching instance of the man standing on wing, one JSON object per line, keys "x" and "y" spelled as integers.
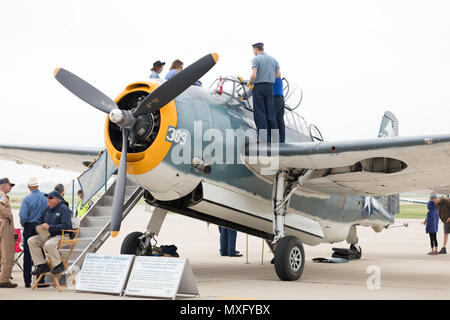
{"x": 264, "y": 71}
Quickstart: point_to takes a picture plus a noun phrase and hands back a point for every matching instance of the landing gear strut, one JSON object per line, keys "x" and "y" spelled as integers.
{"x": 289, "y": 258}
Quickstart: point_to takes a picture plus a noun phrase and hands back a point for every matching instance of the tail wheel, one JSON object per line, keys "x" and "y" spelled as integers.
{"x": 131, "y": 244}
{"x": 289, "y": 258}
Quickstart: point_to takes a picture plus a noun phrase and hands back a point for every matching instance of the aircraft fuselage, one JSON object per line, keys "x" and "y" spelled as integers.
{"x": 207, "y": 127}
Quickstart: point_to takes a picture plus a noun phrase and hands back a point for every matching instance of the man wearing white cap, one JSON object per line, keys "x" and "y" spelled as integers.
{"x": 30, "y": 214}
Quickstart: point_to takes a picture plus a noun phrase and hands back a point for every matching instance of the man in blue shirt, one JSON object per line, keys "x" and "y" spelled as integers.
{"x": 264, "y": 71}
{"x": 30, "y": 214}
{"x": 57, "y": 217}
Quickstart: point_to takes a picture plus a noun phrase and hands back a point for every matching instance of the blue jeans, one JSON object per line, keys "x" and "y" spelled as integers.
{"x": 29, "y": 230}
{"x": 227, "y": 241}
{"x": 264, "y": 108}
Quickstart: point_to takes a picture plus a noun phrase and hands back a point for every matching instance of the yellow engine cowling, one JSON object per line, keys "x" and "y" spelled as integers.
{"x": 142, "y": 162}
{"x": 146, "y": 167}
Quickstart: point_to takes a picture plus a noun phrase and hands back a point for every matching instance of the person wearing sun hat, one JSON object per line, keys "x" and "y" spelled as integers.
{"x": 158, "y": 67}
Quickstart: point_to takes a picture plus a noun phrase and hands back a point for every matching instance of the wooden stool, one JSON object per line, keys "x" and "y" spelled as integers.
{"x": 65, "y": 241}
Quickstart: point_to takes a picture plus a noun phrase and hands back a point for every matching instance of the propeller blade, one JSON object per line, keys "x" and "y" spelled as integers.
{"x": 85, "y": 91}
{"x": 173, "y": 87}
{"x": 119, "y": 193}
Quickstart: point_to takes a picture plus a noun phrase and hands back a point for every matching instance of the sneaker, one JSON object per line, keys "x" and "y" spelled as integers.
{"x": 58, "y": 269}
{"x": 443, "y": 251}
{"x": 8, "y": 284}
{"x": 42, "y": 268}
{"x": 431, "y": 253}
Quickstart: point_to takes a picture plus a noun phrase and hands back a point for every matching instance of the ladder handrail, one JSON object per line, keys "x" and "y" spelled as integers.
{"x": 103, "y": 234}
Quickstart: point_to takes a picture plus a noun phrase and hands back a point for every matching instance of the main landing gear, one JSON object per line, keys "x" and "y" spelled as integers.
{"x": 289, "y": 258}
{"x": 140, "y": 244}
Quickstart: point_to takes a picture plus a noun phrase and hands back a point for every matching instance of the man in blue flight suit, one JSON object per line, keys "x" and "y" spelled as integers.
{"x": 264, "y": 71}
{"x": 57, "y": 217}
{"x": 31, "y": 211}
{"x": 278, "y": 97}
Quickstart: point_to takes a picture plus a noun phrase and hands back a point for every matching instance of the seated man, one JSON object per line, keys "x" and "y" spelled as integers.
{"x": 56, "y": 217}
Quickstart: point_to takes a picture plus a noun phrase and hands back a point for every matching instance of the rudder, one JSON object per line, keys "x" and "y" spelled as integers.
{"x": 389, "y": 128}
{"x": 389, "y": 125}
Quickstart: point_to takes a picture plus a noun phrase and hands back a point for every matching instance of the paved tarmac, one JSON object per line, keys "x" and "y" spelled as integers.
{"x": 398, "y": 255}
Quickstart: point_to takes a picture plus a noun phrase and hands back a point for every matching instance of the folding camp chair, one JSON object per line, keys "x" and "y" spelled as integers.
{"x": 18, "y": 246}
{"x": 66, "y": 240}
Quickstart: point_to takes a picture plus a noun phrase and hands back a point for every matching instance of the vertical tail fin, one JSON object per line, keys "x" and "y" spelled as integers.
{"x": 389, "y": 128}
{"x": 389, "y": 125}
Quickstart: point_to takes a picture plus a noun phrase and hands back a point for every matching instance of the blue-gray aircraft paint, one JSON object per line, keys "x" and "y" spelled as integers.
{"x": 224, "y": 113}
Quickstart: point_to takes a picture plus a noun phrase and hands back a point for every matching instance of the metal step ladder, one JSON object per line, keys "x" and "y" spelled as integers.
{"x": 94, "y": 226}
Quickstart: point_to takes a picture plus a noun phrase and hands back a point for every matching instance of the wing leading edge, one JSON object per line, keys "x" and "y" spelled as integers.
{"x": 49, "y": 157}
{"x": 380, "y": 166}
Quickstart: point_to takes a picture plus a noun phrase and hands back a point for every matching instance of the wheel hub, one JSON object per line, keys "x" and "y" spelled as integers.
{"x": 295, "y": 259}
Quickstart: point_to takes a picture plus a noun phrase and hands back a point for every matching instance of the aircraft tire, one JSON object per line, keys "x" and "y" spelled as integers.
{"x": 289, "y": 258}
{"x": 130, "y": 244}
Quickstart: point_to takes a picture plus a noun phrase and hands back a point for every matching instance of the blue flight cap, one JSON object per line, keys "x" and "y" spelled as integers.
{"x": 433, "y": 196}
{"x": 54, "y": 194}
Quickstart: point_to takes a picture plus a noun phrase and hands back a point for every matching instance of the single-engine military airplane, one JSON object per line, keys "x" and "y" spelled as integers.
{"x": 317, "y": 192}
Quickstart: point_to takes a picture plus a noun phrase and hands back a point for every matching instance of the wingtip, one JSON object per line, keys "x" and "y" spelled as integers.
{"x": 56, "y": 71}
{"x": 215, "y": 57}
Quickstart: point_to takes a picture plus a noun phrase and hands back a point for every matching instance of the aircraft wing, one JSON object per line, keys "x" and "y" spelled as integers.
{"x": 49, "y": 157}
{"x": 380, "y": 166}
{"x": 414, "y": 201}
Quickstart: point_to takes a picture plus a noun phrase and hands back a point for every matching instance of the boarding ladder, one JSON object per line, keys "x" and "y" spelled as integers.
{"x": 94, "y": 226}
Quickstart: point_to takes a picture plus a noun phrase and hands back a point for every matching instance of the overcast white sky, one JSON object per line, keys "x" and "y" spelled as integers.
{"x": 353, "y": 60}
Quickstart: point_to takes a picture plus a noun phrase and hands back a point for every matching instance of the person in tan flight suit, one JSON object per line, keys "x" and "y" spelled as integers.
{"x": 6, "y": 235}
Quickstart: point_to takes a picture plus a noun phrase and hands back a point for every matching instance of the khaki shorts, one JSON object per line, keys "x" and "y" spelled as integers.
{"x": 446, "y": 228}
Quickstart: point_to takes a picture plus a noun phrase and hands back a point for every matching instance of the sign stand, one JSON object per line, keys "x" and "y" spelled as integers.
{"x": 161, "y": 277}
{"x": 187, "y": 284}
{"x": 104, "y": 273}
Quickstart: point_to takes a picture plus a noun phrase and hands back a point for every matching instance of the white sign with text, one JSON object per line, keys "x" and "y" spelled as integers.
{"x": 161, "y": 277}
{"x": 104, "y": 273}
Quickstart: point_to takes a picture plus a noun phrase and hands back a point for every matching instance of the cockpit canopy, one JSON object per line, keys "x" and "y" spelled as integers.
{"x": 236, "y": 89}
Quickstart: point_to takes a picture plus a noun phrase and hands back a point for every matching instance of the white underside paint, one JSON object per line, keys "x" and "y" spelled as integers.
{"x": 255, "y": 212}
{"x": 166, "y": 183}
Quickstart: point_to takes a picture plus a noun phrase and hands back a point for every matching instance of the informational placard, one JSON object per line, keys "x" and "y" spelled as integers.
{"x": 161, "y": 277}
{"x": 104, "y": 273}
